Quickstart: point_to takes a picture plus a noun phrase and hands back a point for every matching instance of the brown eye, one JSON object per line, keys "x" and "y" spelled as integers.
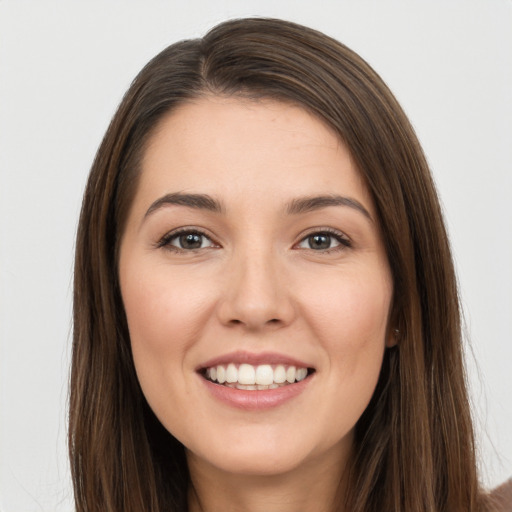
{"x": 319, "y": 241}
{"x": 186, "y": 241}
{"x": 190, "y": 241}
{"x": 324, "y": 241}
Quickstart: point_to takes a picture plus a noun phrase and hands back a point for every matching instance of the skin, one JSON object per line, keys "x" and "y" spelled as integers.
{"x": 257, "y": 285}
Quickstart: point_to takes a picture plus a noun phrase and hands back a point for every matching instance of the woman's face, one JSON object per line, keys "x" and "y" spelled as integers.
{"x": 252, "y": 259}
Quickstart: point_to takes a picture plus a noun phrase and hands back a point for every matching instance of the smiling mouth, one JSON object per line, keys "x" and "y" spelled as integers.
{"x": 252, "y": 378}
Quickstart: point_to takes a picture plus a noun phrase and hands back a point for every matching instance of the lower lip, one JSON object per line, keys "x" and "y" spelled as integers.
{"x": 257, "y": 399}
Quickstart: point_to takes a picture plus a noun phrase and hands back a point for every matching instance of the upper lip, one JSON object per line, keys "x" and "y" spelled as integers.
{"x": 255, "y": 359}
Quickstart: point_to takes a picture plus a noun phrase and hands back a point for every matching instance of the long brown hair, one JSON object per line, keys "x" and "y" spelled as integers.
{"x": 414, "y": 448}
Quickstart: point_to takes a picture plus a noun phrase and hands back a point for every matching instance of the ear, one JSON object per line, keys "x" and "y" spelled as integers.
{"x": 393, "y": 334}
{"x": 392, "y": 337}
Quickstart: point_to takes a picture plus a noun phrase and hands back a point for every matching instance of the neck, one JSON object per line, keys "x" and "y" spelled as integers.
{"x": 316, "y": 486}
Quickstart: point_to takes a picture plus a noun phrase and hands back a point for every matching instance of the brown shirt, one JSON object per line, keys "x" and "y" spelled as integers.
{"x": 502, "y": 497}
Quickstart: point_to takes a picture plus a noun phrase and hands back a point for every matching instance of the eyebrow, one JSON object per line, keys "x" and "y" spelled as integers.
{"x": 295, "y": 207}
{"x": 197, "y": 201}
{"x": 310, "y": 204}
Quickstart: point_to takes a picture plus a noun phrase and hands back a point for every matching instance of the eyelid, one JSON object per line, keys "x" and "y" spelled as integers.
{"x": 341, "y": 237}
{"x": 164, "y": 241}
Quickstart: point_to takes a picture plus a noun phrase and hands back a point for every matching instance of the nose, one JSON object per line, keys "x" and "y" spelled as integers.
{"x": 255, "y": 293}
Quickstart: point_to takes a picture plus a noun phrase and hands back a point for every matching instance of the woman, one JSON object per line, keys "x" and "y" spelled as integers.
{"x": 266, "y": 314}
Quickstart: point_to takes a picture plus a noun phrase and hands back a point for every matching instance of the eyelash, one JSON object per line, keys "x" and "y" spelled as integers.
{"x": 344, "y": 242}
{"x": 165, "y": 241}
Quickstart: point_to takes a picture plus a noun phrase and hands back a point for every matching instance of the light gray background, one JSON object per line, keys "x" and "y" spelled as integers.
{"x": 63, "y": 69}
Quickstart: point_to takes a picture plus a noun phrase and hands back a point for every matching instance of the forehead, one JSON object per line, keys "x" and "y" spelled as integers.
{"x": 234, "y": 147}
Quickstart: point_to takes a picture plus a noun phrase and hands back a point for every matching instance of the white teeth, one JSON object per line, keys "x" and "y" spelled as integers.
{"x": 279, "y": 374}
{"x": 264, "y": 374}
{"x": 231, "y": 373}
{"x": 246, "y": 386}
{"x": 290, "y": 374}
{"x": 301, "y": 374}
{"x": 246, "y": 374}
{"x": 261, "y": 377}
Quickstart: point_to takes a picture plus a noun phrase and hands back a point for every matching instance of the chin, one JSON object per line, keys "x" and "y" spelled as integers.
{"x": 264, "y": 453}
{"x": 250, "y": 462}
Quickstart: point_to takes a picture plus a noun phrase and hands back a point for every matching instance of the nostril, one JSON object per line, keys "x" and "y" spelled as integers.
{"x": 272, "y": 321}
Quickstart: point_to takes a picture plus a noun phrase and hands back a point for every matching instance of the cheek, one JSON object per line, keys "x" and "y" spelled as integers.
{"x": 165, "y": 314}
{"x": 162, "y": 309}
{"x": 351, "y": 324}
{"x": 349, "y": 315}
{"x": 350, "y": 312}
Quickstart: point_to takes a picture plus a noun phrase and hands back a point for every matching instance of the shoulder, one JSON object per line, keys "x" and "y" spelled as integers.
{"x": 502, "y": 497}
